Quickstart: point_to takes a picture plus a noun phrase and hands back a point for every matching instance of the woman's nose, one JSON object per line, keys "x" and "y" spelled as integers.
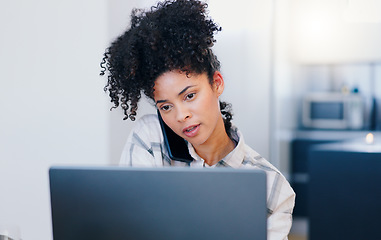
{"x": 183, "y": 114}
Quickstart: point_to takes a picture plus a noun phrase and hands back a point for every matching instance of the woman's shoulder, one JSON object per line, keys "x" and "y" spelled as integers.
{"x": 148, "y": 121}
{"x": 144, "y": 144}
{"x": 148, "y": 126}
{"x": 149, "y": 118}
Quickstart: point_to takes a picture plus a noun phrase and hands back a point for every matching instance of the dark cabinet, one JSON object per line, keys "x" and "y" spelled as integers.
{"x": 300, "y": 172}
{"x": 301, "y": 144}
{"x": 344, "y": 191}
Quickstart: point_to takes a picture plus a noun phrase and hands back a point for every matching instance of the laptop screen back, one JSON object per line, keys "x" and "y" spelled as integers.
{"x": 161, "y": 203}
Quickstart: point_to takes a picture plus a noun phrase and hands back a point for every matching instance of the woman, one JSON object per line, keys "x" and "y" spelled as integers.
{"x": 167, "y": 55}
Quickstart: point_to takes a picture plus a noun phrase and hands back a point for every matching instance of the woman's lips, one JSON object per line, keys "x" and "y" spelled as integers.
{"x": 191, "y": 131}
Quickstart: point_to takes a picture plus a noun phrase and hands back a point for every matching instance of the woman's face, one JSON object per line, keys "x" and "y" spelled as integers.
{"x": 189, "y": 105}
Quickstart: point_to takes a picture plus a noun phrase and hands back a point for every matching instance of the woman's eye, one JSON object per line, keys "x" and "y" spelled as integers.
{"x": 190, "y": 96}
{"x": 165, "y": 108}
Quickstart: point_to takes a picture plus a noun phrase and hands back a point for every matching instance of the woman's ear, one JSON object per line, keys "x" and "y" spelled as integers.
{"x": 218, "y": 83}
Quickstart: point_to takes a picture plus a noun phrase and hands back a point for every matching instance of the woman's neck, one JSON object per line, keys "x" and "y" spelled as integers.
{"x": 217, "y": 147}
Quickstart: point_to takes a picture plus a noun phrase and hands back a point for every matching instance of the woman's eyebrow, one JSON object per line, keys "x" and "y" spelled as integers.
{"x": 181, "y": 92}
{"x": 161, "y": 101}
{"x": 186, "y": 88}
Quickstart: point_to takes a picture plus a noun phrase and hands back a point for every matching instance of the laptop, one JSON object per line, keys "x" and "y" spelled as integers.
{"x": 170, "y": 203}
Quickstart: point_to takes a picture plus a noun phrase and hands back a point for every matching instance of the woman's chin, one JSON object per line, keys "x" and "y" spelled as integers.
{"x": 196, "y": 141}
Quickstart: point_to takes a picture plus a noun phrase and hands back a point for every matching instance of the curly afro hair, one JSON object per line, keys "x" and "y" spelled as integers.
{"x": 174, "y": 35}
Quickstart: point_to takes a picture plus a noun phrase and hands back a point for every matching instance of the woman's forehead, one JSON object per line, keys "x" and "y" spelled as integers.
{"x": 179, "y": 77}
{"x": 174, "y": 82}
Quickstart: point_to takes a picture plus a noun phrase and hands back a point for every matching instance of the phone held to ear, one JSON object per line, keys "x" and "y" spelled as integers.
{"x": 176, "y": 145}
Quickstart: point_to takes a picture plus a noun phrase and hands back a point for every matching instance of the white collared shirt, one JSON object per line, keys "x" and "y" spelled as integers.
{"x": 145, "y": 148}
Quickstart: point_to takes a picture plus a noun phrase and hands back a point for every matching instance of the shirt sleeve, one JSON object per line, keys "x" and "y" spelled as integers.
{"x": 280, "y": 196}
{"x": 143, "y": 147}
{"x": 281, "y": 201}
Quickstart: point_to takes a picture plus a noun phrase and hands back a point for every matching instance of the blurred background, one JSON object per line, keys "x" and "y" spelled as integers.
{"x": 299, "y": 73}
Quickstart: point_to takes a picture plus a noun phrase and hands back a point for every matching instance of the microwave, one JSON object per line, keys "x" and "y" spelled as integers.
{"x": 333, "y": 111}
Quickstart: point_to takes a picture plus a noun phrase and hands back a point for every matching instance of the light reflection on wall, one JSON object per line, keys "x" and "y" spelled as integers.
{"x": 334, "y": 32}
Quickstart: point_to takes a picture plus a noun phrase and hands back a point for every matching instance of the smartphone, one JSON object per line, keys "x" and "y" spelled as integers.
{"x": 176, "y": 145}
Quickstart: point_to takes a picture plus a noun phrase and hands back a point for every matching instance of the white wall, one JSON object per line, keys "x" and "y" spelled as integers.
{"x": 244, "y": 49}
{"x": 283, "y": 107}
{"x": 52, "y": 107}
{"x": 336, "y": 31}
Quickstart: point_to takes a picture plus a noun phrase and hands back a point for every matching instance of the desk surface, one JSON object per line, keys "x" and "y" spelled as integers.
{"x": 356, "y": 146}
{"x": 333, "y": 134}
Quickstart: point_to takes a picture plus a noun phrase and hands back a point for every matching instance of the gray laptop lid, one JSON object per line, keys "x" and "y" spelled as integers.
{"x": 161, "y": 203}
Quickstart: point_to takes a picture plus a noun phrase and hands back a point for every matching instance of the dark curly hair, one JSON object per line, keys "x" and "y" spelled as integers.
{"x": 174, "y": 35}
